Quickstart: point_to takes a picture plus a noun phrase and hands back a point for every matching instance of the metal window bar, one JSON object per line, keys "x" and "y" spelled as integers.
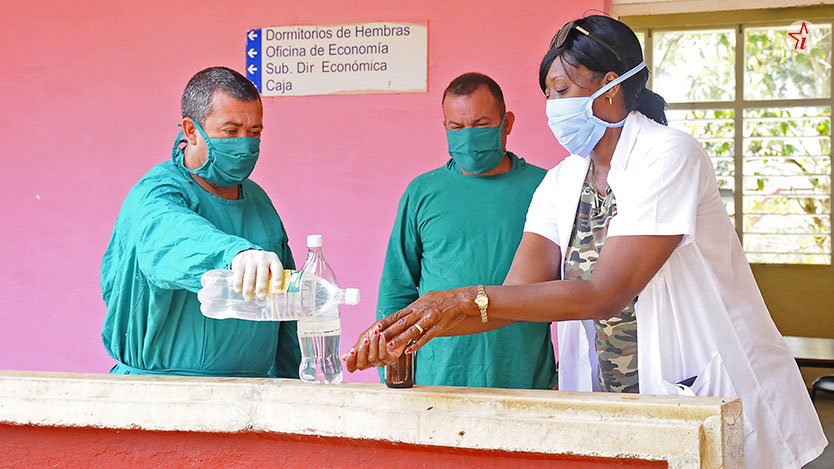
{"x": 782, "y": 253}
{"x": 763, "y": 138}
{"x": 831, "y": 153}
{"x": 738, "y": 115}
{"x": 771, "y": 176}
{"x": 811, "y": 215}
{"x": 781, "y": 119}
{"x": 785, "y": 196}
{"x": 780, "y": 103}
{"x": 796, "y": 157}
{"x": 772, "y": 233}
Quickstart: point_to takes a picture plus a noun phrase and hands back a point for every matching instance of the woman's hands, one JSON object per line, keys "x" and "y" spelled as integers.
{"x": 430, "y": 316}
{"x": 370, "y": 350}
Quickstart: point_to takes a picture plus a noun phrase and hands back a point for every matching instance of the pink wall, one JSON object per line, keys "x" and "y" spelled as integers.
{"x": 90, "y": 97}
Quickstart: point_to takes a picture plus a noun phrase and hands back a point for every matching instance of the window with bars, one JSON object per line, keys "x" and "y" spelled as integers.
{"x": 761, "y": 107}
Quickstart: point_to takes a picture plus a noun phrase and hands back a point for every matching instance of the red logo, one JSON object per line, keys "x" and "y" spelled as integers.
{"x": 800, "y": 37}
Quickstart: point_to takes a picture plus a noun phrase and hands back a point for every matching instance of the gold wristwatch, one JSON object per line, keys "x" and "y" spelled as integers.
{"x": 482, "y": 301}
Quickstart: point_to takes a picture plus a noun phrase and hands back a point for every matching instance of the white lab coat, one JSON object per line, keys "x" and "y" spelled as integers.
{"x": 702, "y": 313}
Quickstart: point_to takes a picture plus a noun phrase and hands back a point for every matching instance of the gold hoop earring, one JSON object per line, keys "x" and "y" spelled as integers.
{"x": 610, "y": 101}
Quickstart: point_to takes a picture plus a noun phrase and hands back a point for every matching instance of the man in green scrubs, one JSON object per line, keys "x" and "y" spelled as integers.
{"x": 460, "y": 225}
{"x": 195, "y": 212}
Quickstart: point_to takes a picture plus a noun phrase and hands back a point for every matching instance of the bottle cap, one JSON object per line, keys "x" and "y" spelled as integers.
{"x": 352, "y": 296}
{"x": 313, "y": 241}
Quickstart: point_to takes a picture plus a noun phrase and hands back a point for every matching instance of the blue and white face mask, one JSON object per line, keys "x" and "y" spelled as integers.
{"x": 573, "y": 122}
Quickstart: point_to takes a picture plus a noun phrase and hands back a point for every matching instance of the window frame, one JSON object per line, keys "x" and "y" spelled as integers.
{"x": 774, "y": 17}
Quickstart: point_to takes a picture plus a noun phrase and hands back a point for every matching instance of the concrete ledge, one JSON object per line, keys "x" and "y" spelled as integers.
{"x": 684, "y": 432}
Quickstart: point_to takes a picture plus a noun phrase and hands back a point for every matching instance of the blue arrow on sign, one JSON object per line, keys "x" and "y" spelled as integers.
{"x": 253, "y": 57}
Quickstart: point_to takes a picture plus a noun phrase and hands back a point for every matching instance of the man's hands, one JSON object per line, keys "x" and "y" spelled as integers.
{"x": 257, "y": 273}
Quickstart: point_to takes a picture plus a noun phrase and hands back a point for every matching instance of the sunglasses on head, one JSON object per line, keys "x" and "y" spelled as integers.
{"x": 562, "y": 36}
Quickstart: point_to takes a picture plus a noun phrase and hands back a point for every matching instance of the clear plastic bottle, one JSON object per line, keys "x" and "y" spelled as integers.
{"x": 302, "y": 295}
{"x": 320, "y": 337}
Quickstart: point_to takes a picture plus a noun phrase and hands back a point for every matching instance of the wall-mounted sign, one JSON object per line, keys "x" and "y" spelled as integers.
{"x": 338, "y": 59}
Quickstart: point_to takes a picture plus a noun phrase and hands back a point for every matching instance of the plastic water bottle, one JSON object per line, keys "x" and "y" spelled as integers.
{"x": 320, "y": 337}
{"x": 302, "y": 295}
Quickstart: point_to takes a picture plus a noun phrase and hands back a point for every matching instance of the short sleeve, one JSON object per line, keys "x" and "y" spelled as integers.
{"x": 541, "y": 215}
{"x": 660, "y": 193}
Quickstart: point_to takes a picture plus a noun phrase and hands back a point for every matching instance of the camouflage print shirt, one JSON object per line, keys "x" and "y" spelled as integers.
{"x": 616, "y": 337}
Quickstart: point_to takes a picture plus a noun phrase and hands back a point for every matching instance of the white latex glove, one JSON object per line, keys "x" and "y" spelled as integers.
{"x": 252, "y": 269}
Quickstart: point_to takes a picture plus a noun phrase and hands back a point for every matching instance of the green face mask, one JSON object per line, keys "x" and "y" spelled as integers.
{"x": 476, "y": 150}
{"x": 229, "y": 161}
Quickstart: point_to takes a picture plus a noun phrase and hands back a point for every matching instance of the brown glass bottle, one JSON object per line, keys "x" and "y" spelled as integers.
{"x": 401, "y": 373}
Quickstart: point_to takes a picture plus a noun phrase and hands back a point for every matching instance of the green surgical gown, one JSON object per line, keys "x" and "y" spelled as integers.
{"x": 454, "y": 230}
{"x": 169, "y": 232}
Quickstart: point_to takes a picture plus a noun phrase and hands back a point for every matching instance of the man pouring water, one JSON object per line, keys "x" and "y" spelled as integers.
{"x": 192, "y": 213}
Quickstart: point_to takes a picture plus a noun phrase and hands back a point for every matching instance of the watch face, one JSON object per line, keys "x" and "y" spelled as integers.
{"x": 481, "y": 301}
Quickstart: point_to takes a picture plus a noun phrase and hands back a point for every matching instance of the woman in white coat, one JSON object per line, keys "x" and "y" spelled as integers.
{"x": 670, "y": 306}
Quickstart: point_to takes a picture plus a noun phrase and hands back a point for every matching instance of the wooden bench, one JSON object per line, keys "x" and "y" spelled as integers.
{"x": 812, "y": 351}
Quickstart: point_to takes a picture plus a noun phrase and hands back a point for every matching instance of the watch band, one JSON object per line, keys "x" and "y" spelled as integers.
{"x": 483, "y": 307}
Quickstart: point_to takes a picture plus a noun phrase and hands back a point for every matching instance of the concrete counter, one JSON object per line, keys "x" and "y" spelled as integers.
{"x": 124, "y": 420}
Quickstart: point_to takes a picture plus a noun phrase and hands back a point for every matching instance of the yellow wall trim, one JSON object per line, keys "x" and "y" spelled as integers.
{"x": 621, "y": 8}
